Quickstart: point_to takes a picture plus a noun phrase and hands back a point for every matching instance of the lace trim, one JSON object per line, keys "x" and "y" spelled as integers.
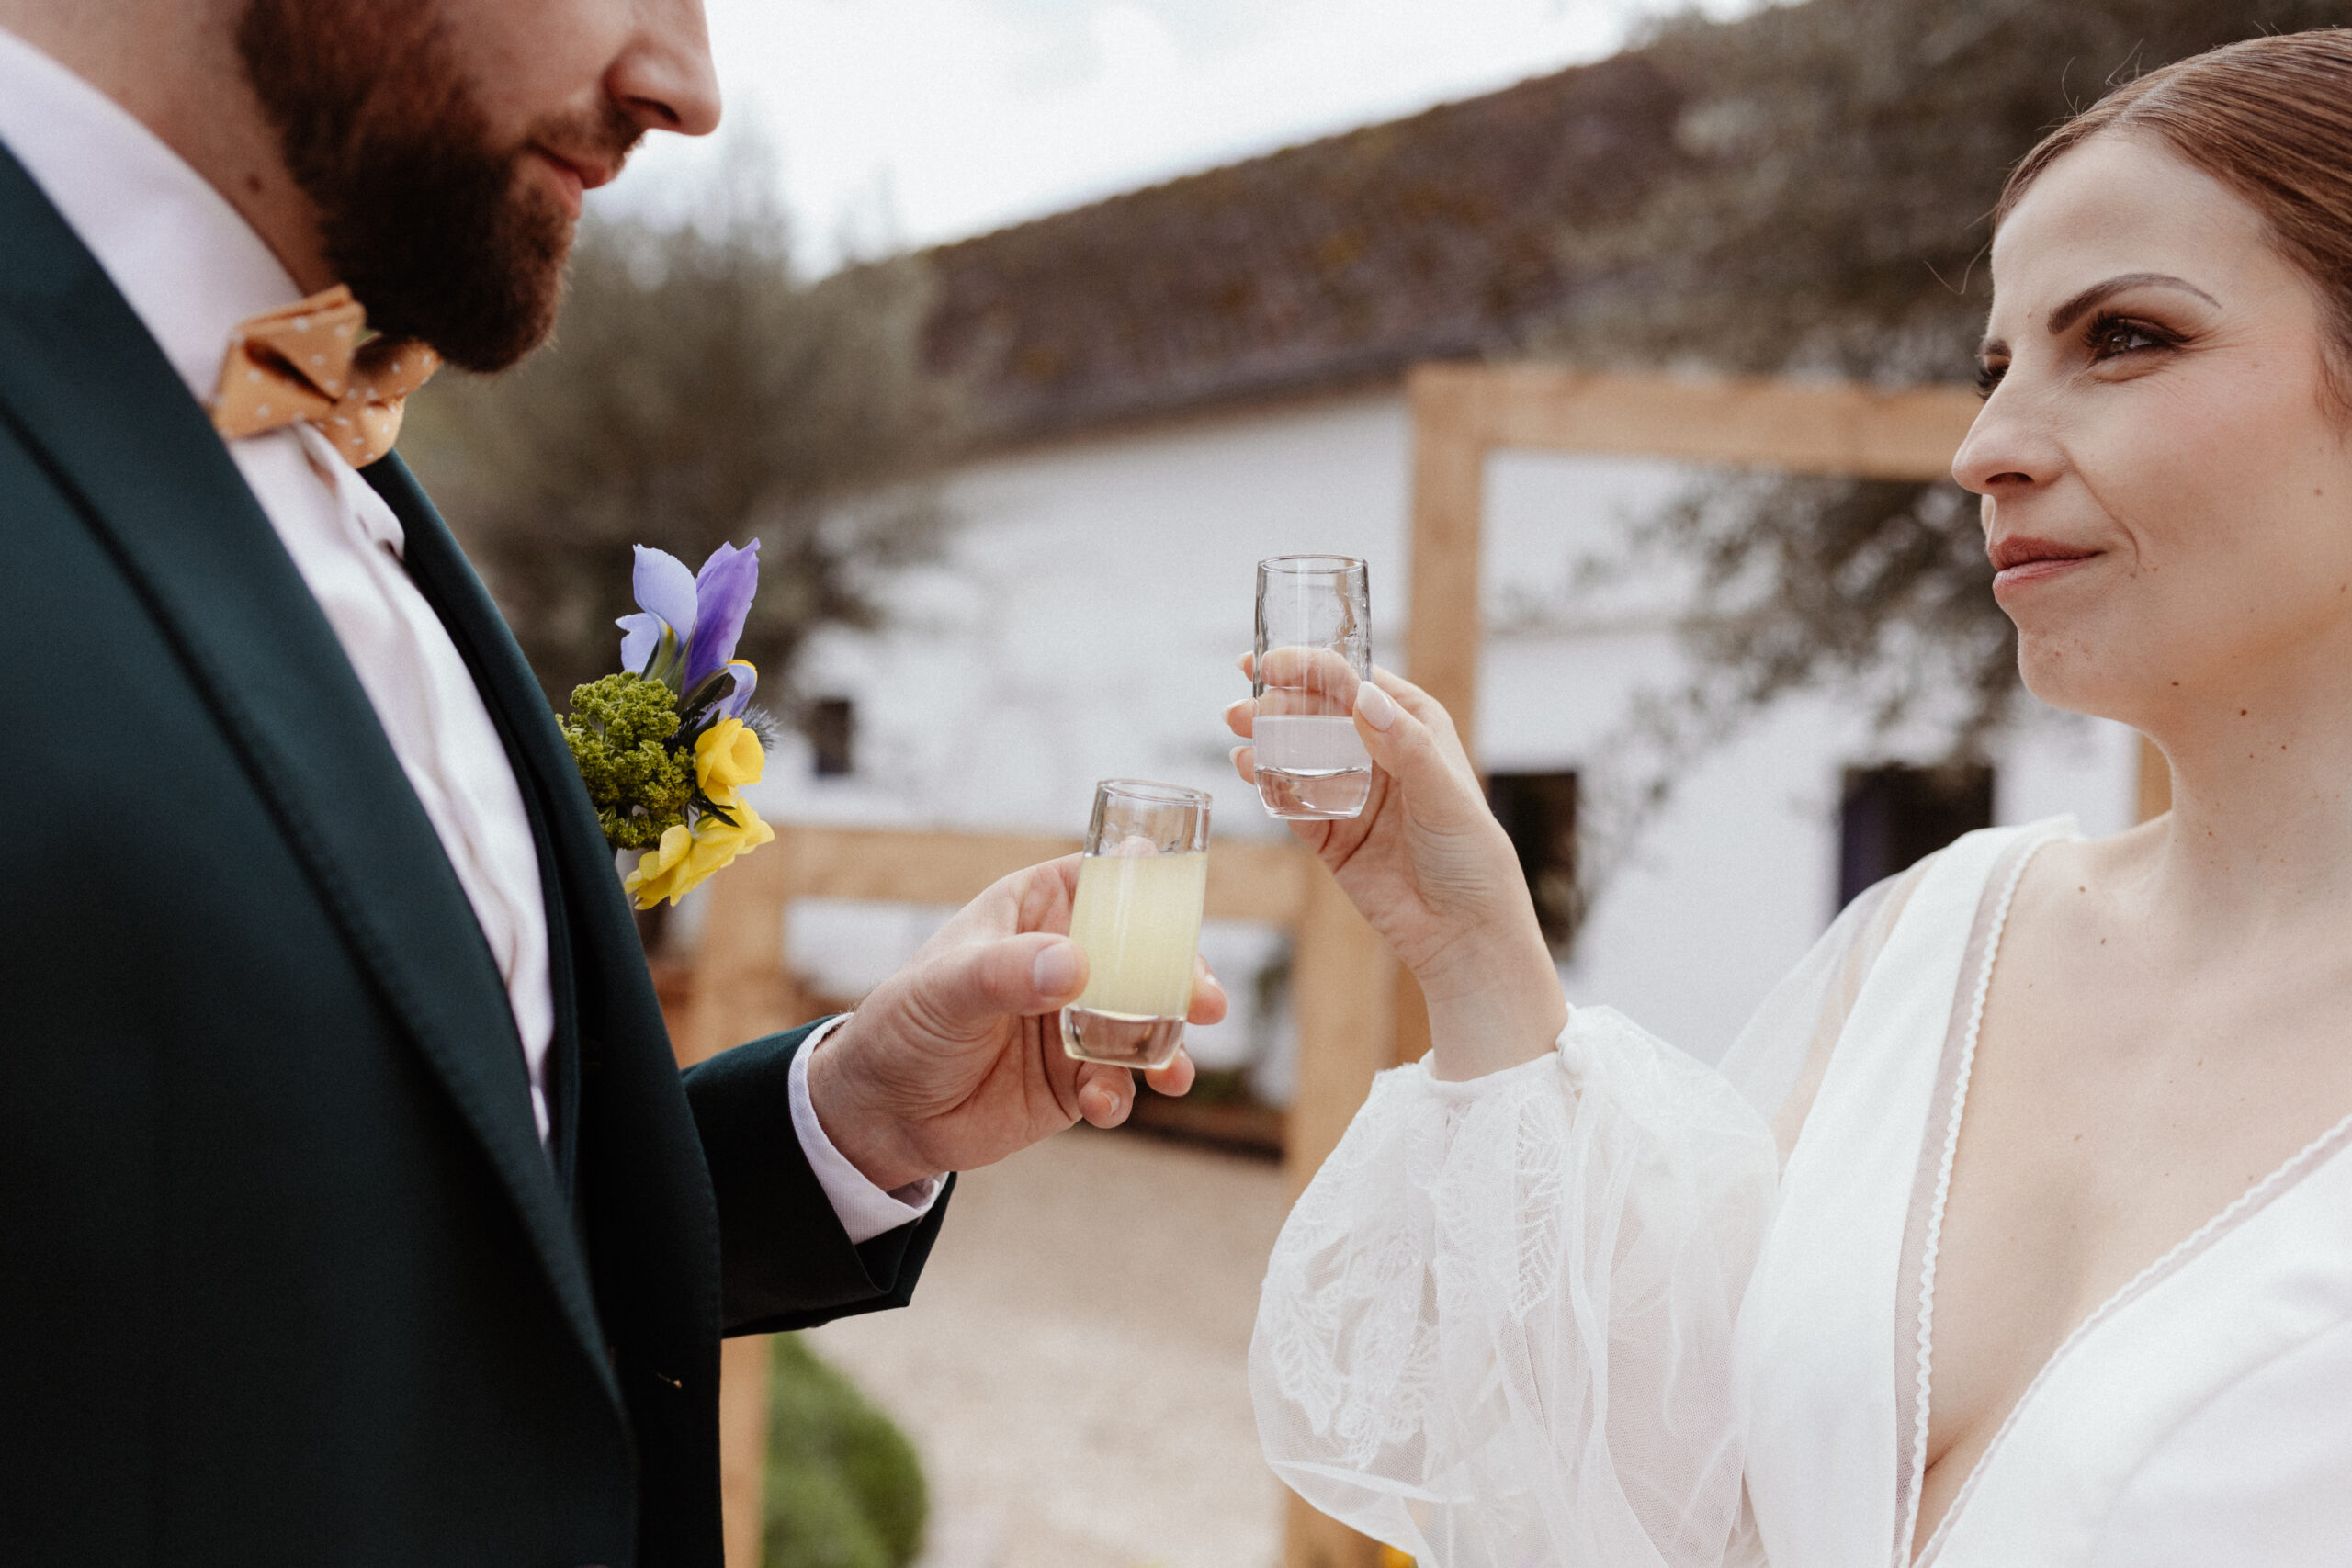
{"x": 2183, "y": 1253}
{"x": 1951, "y": 1093}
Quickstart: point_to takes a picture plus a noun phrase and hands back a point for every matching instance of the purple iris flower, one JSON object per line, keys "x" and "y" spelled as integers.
{"x": 687, "y": 622}
{"x": 657, "y": 635}
{"x": 747, "y": 680}
{"x": 723, "y": 590}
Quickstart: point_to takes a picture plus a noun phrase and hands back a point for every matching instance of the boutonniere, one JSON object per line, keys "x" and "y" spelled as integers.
{"x": 665, "y": 747}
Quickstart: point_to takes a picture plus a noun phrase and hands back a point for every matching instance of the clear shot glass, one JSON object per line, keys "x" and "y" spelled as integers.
{"x": 1314, "y": 649}
{"x": 1140, "y": 888}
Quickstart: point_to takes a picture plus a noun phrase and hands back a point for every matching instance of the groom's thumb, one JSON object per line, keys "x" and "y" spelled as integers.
{"x": 1033, "y": 973}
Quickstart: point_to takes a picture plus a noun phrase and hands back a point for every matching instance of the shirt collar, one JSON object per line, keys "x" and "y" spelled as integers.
{"x": 190, "y": 265}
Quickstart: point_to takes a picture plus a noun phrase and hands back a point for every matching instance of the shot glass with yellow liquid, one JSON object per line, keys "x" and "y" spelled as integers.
{"x": 1137, "y": 916}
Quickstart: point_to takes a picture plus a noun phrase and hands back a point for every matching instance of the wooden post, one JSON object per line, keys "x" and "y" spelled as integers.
{"x": 1442, "y": 627}
{"x": 1450, "y": 445}
{"x": 1342, "y": 991}
{"x": 742, "y": 991}
{"x": 743, "y": 1448}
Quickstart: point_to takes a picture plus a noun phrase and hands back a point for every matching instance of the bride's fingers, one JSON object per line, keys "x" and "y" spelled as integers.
{"x": 1412, "y": 699}
{"x": 1240, "y": 715}
{"x": 1407, "y": 749}
{"x": 1310, "y": 681}
{"x": 1245, "y": 763}
{"x": 1430, "y": 712}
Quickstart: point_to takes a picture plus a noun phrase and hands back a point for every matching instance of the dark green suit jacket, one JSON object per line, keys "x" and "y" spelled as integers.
{"x": 286, "y": 1276}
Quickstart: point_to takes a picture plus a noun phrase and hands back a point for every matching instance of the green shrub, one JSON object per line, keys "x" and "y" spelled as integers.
{"x": 845, "y": 1489}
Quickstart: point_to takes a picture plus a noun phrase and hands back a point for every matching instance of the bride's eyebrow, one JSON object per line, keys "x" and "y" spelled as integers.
{"x": 2068, "y": 313}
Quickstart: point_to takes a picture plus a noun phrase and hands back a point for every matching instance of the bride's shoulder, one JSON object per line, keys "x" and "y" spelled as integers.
{"x": 1943, "y": 895}
{"x": 2070, "y": 871}
{"x": 1988, "y": 863}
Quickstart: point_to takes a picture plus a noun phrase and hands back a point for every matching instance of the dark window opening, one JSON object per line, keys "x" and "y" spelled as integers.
{"x": 1539, "y": 812}
{"x": 1893, "y": 817}
{"x": 832, "y": 727}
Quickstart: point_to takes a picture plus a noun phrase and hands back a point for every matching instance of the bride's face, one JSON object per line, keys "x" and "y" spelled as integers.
{"x": 2166, "y": 476}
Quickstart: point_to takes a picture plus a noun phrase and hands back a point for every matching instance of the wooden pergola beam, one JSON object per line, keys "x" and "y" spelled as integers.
{"x": 1464, "y": 413}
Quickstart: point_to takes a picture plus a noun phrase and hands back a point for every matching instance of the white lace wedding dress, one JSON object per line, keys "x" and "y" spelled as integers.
{"x": 1580, "y": 1314}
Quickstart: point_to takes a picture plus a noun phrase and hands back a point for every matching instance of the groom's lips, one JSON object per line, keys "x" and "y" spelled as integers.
{"x": 574, "y": 175}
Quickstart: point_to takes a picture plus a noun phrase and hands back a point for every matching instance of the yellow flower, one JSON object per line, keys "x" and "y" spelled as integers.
{"x": 649, "y": 882}
{"x": 727, "y": 757}
{"x": 683, "y": 857}
{"x": 717, "y": 845}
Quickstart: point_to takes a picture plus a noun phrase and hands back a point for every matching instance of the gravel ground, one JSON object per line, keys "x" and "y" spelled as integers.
{"x": 1074, "y": 1365}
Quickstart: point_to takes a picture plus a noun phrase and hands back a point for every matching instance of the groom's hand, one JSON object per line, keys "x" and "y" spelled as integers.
{"x": 956, "y": 1061}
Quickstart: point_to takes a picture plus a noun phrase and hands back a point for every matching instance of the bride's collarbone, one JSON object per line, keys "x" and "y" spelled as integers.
{"x": 2119, "y": 1099}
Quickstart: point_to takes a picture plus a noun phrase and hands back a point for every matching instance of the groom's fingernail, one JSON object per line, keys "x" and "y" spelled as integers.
{"x": 1056, "y": 970}
{"x": 1378, "y": 708}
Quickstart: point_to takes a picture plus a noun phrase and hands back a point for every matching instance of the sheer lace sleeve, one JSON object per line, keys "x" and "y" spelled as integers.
{"x": 1497, "y": 1327}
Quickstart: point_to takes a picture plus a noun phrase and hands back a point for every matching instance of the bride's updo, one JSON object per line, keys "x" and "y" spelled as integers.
{"x": 2271, "y": 118}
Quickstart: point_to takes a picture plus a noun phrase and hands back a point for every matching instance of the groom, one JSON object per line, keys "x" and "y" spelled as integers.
{"x": 352, "y": 1210}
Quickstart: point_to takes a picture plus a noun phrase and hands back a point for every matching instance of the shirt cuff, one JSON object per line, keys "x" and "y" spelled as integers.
{"x": 863, "y": 1209}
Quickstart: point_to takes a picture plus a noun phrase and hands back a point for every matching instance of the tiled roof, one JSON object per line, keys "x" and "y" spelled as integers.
{"x": 1334, "y": 262}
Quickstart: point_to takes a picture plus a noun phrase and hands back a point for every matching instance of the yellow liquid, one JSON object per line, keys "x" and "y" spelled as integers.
{"x": 1139, "y": 917}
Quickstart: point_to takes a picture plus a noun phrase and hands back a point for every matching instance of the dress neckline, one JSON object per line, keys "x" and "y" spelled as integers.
{"x": 1931, "y": 1200}
{"x": 1931, "y": 1189}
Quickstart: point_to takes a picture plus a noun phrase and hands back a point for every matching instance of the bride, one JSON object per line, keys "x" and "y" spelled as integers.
{"x": 2017, "y": 1227}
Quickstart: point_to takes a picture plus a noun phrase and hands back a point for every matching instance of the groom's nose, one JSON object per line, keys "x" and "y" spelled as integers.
{"x": 662, "y": 78}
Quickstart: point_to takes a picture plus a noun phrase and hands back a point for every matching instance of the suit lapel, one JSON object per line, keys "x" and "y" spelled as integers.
{"x": 585, "y": 906}
{"x": 644, "y": 1195}
{"x": 84, "y": 382}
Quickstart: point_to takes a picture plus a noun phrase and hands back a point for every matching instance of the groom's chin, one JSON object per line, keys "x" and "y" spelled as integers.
{"x": 485, "y": 290}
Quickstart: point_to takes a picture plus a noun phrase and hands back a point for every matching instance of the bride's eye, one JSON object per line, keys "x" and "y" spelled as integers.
{"x": 1988, "y": 375}
{"x": 2112, "y": 337}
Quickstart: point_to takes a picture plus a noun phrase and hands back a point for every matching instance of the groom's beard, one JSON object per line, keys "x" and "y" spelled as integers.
{"x": 442, "y": 234}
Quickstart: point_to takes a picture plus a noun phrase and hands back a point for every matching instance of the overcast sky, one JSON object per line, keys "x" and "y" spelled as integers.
{"x": 903, "y": 122}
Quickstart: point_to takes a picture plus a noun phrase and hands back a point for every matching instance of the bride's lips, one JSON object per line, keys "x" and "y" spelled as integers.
{"x": 2020, "y": 561}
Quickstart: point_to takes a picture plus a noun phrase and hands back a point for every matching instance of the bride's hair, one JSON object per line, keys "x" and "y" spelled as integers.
{"x": 2270, "y": 117}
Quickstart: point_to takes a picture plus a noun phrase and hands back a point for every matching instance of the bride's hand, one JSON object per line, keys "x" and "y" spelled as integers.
{"x": 1432, "y": 870}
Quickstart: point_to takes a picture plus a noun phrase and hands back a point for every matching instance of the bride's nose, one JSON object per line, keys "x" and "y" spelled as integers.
{"x": 2008, "y": 449}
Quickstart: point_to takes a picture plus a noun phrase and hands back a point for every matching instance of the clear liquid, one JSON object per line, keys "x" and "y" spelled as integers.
{"x": 1310, "y": 765}
{"x": 1120, "y": 1039}
{"x": 1138, "y": 919}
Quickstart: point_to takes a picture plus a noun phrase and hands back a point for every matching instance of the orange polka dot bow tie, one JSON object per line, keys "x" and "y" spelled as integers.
{"x": 305, "y": 363}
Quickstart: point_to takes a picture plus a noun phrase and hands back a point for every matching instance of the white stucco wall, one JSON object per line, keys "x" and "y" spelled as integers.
{"x": 1084, "y": 624}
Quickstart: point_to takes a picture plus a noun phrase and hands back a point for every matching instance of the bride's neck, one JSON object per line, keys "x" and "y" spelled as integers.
{"x": 2260, "y": 831}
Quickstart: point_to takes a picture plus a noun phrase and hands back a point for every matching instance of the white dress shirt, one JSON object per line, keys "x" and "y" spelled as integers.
{"x": 192, "y": 270}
